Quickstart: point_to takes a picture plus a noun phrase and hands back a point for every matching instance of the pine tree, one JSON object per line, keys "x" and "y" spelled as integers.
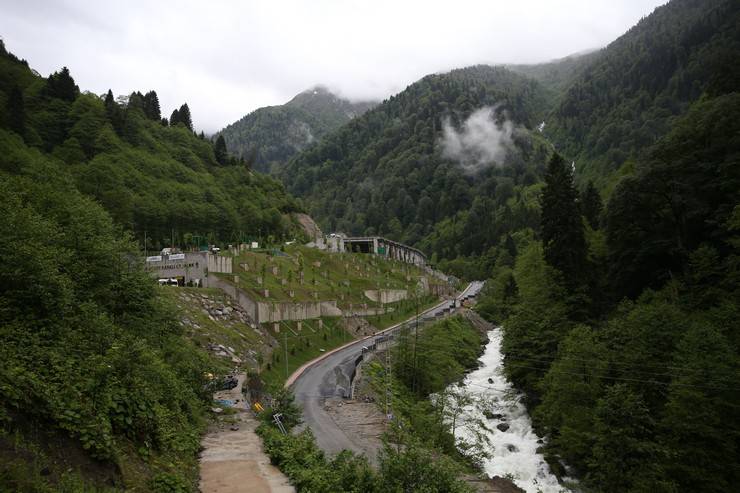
{"x": 625, "y": 455}
{"x": 219, "y": 150}
{"x": 562, "y": 229}
{"x": 184, "y": 116}
{"x": 592, "y": 205}
{"x": 174, "y": 118}
{"x": 16, "y": 111}
{"x": 151, "y": 106}
{"x": 113, "y": 112}
{"x": 136, "y": 100}
{"x": 61, "y": 85}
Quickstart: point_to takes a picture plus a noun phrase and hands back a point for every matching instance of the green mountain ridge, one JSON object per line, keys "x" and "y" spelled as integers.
{"x": 153, "y": 179}
{"x": 384, "y": 172}
{"x": 271, "y": 135}
{"x": 627, "y": 97}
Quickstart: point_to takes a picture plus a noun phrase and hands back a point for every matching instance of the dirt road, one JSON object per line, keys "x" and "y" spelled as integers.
{"x": 232, "y": 460}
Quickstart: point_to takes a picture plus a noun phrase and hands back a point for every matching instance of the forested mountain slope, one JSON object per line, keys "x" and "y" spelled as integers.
{"x": 621, "y": 320}
{"x": 150, "y": 176}
{"x": 270, "y": 136}
{"x": 558, "y": 75}
{"x": 99, "y": 388}
{"x": 390, "y": 172}
{"x": 629, "y": 95}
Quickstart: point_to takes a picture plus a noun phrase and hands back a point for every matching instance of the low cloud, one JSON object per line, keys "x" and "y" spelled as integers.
{"x": 483, "y": 140}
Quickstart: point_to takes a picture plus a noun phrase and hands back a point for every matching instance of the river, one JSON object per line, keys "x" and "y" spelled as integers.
{"x": 514, "y": 451}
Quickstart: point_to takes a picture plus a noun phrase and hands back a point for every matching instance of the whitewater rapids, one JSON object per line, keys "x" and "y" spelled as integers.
{"x": 514, "y": 455}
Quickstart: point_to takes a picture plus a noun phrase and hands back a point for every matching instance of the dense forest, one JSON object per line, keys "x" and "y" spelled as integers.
{"x": 621, "y": 319}
{"x": 624, "y": 335}
{"x": 270, "y": 136}
{"x": 99, "y": 388}
{"x": 384, "y": 171}
{"x": 153, "y": 175}
{"x": 627, "y": 97}
{"x": 610, "y": 238}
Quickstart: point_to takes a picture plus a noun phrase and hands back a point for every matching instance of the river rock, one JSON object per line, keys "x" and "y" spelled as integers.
{"x": 490, "y": 380}
{"x": 511, "y": 447}
{"x": 503, "y": 426}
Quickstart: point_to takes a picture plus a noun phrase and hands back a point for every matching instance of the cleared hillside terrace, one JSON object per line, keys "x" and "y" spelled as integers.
{"x": 306, "y": 274}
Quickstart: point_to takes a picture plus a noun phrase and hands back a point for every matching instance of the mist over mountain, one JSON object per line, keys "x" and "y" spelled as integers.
{"x": 269, "y": 136}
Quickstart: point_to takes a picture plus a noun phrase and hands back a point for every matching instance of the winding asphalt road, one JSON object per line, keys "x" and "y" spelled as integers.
{"x": 329, "y": 376}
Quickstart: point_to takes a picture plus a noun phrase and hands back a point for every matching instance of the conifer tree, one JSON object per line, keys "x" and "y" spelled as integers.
{"x": 61, "y": 85}
{"x": 184, "y": 116}
{"x": 219, "y": 149}
{"x": 592, "y": 205}
{"x": 16, "y": 111}
{"x": 113, "y": 112}
{"x": 151, "y": 106}
{"x": 562, "y": 229}
{"x": 136, "y": 100}
{"x": 175, "y": 118}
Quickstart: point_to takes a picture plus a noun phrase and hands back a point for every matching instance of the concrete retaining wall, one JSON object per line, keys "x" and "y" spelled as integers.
{"x": 386, "y": 295}
{"x": 216, "y": 263}
{"x": 278, "y": 311}
{"x": 264, "y": 311}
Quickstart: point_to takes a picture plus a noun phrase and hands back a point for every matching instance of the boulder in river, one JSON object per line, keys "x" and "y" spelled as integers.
{"x": 503, "y": 426}
{"x": 490, "y": 380}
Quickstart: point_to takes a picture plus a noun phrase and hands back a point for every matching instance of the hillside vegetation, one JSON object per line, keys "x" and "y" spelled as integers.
{"x": 99, "y": 387}
{"x": 270, "y": 136}
{"x": 629, "y": 96}
{"x": 152, "y": 177}
{"x": 385, "y": 173}
{"x": 98, "y": 384}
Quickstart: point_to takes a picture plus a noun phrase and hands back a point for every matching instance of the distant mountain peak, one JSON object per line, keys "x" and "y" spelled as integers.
{"x": 273, "y": 134}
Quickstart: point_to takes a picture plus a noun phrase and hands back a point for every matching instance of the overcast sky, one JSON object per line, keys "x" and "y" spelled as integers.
{"x": 227, "y": 58}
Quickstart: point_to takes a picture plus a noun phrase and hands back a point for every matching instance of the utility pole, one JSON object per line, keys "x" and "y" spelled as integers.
{"x": 285, "y": 338}
{"x": 388, "y": 387}
{"x": 416, "y": 339}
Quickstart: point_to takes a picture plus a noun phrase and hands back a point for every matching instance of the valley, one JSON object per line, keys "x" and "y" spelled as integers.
{"x": 496, "y": 277}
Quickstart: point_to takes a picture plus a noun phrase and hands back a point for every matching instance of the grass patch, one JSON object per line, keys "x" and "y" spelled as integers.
{"x": 402, "y": 310}
{"x": 302, "y": 346}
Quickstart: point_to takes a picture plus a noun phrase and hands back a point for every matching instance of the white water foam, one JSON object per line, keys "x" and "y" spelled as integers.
{"x": 514, "y": 454}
